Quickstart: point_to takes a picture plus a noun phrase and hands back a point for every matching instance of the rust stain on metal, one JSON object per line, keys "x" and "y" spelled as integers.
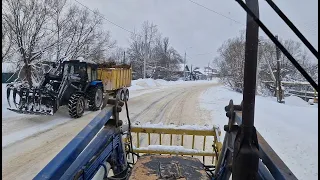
{"x": 163, "y": 167}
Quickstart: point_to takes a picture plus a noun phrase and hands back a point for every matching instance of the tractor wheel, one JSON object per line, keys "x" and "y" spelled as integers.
{"x": 127, "y": 94}
{"x": 95, "y": 98}
{"x": 76, "y": 105}
{"x": 122, "y": 95}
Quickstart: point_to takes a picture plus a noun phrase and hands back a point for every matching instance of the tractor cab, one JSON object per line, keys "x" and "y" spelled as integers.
{"x": 86, "y": 71}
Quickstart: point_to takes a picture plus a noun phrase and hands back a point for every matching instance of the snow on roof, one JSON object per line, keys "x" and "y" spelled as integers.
{"x": 200, "y": 70}
{"x": 208, "y": 68}
{"x": 9, "y": 67}
{"x": 81, "y": 59}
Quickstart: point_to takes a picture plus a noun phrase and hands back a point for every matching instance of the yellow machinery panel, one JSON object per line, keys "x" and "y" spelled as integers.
{"x": 115, "y": 78}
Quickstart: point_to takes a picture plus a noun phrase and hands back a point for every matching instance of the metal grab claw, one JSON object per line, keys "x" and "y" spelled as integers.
{"x": 30, "y": 100}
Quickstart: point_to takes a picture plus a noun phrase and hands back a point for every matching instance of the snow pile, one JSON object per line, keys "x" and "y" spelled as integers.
{"x": 160, "y": 83}
{"x": 145, "y": 83}
{"x": 164, "y": 82}
{"x": 291, "y": 129}
{"x": 295, "y": 101}
{"x": 172, "y": 126}
{"x": 134, "y": 86}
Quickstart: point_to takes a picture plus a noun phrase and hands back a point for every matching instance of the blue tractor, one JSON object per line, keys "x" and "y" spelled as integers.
{"x": 70, "y": 84}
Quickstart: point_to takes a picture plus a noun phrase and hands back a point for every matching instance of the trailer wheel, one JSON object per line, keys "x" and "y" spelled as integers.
{"x": 95, "y": 98}
{"x": 122, "y": 95}
{"x": 76, "y": 105}
{"x": 127, "y": 94}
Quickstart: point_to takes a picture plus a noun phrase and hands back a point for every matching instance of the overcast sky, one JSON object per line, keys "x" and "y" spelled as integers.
{"x": 189, "y": 25}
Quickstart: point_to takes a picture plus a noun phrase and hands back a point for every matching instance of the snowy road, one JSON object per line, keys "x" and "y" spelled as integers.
{"x": 30, "y": 142}
{"x": 23, "y": 159}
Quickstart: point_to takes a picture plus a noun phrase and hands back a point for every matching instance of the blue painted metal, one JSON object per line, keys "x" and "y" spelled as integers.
{"x": 264, "y": 173}
{"x": 113, "y": 149}
{"x": 103, "y": 140}
{"x": 276, "y": 171}
{"x": 95, "y": 83}
{"x": 59, "y": 164}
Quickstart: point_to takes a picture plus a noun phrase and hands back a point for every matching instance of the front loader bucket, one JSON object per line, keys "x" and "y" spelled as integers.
{"x": 30, "y": 101}
{"x": 30, "y": 112}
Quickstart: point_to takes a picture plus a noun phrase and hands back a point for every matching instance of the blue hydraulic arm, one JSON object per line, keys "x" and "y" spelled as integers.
{"x": 98, "y": 142}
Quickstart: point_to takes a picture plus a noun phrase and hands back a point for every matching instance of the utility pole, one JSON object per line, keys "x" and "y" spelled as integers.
{"x": 185, "y": 62}
{"x": 278, "y": 84}
{"x": 184, "y": 66}
{"x": 208, "y": 72}
{"x": 191, "y": 73}
{"x": 145, "y": 56}
{"x": 124, "y": 57}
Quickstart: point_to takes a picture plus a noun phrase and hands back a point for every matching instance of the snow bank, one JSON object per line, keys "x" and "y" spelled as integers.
{"x": 146, "y": 83}
{"x": 149, "y": 83}
{"x": 295, "y": 101}
{"x": 291, "y": 129}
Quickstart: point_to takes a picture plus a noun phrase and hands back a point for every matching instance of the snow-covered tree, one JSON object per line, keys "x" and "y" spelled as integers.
{"x": 51, "y": 30}
{"x": 27, "y": 21}
{"x": 118, "y": 55}
{"x": 141, "y": 46}
{"x": 148, "y": 44}
{"x": 79, "y": 34}
{"x": 230, "y": 62}
{"x": 6, "y": 36}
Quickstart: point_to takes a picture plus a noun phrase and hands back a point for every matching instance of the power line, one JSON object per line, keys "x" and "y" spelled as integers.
{"x": 136, "y": 34}
{"x": 110, "y": 21}
{"x": 312, "y": 30}
{"x": 202, "y": 54}
{"x": 188, "y": 0}
{"x": 216, "y": 12}
{"x": 101, "y": 15}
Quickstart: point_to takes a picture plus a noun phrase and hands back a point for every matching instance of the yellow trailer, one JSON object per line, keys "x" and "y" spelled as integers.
{"x": 116, "y": 80}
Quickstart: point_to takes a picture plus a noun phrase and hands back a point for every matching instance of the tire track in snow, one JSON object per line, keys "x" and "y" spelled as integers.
{"x": 150, "y": 106}
{"x": 162, "y": 110}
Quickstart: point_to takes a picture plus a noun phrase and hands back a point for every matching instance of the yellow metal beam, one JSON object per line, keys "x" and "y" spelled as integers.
{"x": 174, "y": 131}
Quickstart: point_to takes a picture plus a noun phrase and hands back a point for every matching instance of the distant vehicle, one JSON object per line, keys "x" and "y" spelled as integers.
{"x": 73, "y": 83}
